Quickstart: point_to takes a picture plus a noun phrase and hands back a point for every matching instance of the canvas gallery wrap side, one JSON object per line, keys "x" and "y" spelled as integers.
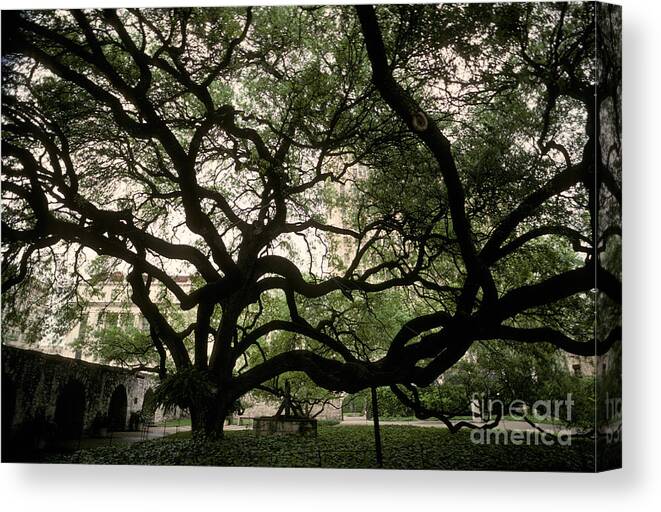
{"x": 313, "y": 236}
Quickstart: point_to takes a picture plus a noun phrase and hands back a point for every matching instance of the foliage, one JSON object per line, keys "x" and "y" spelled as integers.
{"x": 502, "y": 374}
{"x": 404, "y": 447}
{"x": 446, "y": 397}
{"x": 184, "y": 389}
{"x": 123, "y": 345}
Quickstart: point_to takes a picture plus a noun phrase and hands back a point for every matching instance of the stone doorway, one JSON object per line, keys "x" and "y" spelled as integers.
{"x": 117, "y": 409}
{"x": 70, "y": 410}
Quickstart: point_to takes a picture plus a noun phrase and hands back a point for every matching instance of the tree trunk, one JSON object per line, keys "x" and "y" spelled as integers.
{"x": 209, "y": 419}
{"x": 196, "y": 419}
{"x": 215, "y": 421}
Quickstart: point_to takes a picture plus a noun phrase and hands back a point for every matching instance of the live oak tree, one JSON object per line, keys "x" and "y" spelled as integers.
{"x": 296, "y": 161}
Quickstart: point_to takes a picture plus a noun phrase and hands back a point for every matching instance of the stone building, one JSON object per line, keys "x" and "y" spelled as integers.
{"x": 109, "y": 306}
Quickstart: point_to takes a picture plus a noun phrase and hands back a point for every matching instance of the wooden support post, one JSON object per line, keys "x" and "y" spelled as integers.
{"x": 377, "y": 429}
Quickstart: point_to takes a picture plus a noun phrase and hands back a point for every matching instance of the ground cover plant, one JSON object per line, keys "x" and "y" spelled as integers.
{"x": 404, "y": 447}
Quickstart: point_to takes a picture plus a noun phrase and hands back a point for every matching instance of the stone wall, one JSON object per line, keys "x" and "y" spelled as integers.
{"x": 256, "y": 409}
{"x": 281, "y": 425}
{"x": 66, "y": 395}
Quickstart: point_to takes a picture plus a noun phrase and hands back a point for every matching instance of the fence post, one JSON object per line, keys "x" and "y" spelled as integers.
{"x": 377, "y": 429}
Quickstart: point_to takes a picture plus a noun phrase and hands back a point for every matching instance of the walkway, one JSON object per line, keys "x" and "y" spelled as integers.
{"x": 126, "y": 438}
{"x": 503, "y": 425}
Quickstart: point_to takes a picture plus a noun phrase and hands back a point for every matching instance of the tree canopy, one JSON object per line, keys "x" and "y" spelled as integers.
{"x": 384, "y": 186}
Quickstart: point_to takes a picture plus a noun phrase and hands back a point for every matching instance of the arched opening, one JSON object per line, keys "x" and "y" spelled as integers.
{"x": 149, "y": 406}
{"x": 117, "y": 409}
{"x": 70, "y": 410}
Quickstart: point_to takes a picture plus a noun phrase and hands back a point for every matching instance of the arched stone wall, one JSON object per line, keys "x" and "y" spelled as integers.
{"x": 38, "y": 379}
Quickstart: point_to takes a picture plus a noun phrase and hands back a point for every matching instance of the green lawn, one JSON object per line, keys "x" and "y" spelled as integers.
{"x": 178, "y": 422}
{"x": 404, "y": 447}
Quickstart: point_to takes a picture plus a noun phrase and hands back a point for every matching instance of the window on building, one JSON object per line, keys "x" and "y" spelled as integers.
{"x": 126, "y": 319}
{"x": 82, "y": 329}
{"x": 110, "y": 319}
{"x": 145, "y": 324}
